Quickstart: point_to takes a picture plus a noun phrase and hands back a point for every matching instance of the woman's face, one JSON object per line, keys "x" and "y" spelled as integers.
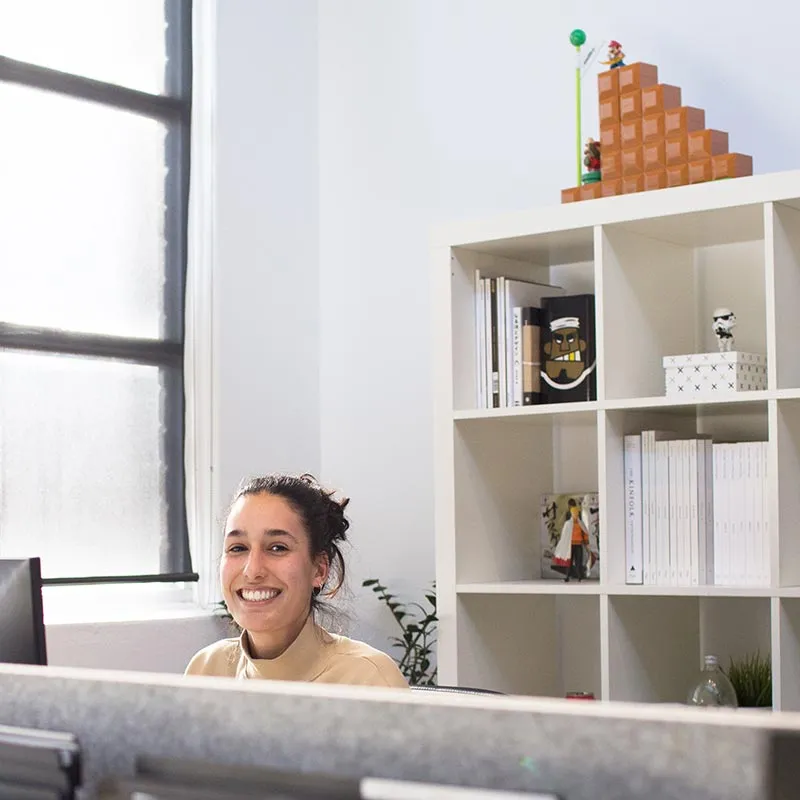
{"x": 267, "y": 573}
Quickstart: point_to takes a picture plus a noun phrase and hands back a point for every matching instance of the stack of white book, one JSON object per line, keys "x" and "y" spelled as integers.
{"x": 695, "y": 511}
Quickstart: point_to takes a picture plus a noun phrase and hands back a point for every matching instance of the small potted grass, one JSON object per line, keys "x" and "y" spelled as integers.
{"x": 751, "y": 677}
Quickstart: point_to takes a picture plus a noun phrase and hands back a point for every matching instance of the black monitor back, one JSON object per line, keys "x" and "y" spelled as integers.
{"x": 22, "y": 634}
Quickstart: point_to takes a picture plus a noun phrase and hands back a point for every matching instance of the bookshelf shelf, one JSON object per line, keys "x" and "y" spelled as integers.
{"x": 619, "y": 590}
{"x": 624, "y": 590}
{"x": 657, "y": 264}
{"x": 517, "y": 412}
{"x": 530, "y": 587}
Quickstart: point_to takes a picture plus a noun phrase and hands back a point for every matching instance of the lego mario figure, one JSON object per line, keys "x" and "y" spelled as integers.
{"x": 615, "y": 55}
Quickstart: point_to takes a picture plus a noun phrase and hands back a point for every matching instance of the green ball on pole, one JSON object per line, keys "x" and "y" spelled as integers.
{"x": 578, "y": 38}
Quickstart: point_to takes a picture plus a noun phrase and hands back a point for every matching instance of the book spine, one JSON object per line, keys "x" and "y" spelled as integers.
{"x": 531, "y": 338}
{"x": 494, "y": 352}
{"x": 633, "y": 508}
{"x": 516, "y": 383}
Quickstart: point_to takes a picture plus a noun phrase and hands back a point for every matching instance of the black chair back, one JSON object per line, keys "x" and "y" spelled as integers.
{"x": 455, "y": 690}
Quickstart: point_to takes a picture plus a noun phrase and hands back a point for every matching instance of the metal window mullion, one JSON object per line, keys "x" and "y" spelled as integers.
{"x": 91, "y": 580}
{"x": 176, "y": 556}
{"x": 151, "y": 352}
{"x": 162, "y": 107}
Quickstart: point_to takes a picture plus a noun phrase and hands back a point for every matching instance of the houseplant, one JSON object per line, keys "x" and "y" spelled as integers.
{"x": 751, "y": 677}
{"x": 418, "y": 627}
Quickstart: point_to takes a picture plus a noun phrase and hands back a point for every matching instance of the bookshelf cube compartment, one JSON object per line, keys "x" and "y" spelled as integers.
{"x": 559, "y": 634}
{"x": 785, "y": 222}
{"x": 669, "y": 275}
{"x": 561, "y": 261}
{"x": 703, "y": 374}
{"x": 683, "y": 534}
{"x": 504, "y": 466}
{"x": 786, "y": 692}
{"x": 657, "y": 644}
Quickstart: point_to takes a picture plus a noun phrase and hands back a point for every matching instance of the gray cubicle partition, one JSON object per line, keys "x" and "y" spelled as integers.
{"x": 581, "y": 750}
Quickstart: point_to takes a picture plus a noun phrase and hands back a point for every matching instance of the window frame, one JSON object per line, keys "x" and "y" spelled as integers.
{"x": 174, "y": 109}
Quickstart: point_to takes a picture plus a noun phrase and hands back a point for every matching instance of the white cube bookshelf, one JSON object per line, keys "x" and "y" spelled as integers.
{"x": 658, "y": 263}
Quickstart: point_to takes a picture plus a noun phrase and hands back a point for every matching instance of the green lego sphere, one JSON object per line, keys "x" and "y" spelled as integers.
{"x": 577, "y": 37}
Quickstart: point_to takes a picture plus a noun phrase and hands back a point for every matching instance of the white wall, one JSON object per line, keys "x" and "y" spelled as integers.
{"x": 141, "y": 646}
{"x": 267, "y": 211}
{"x": 439, "y": 109}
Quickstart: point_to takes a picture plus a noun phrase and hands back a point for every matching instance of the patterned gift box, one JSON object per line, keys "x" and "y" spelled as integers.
{"x": 714, "y": 373}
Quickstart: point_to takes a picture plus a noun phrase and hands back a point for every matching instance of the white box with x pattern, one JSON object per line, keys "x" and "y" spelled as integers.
{"x": 714, "y": 373}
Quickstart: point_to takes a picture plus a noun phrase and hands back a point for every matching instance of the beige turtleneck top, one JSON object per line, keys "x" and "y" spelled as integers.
{"x": 315, "y": 655}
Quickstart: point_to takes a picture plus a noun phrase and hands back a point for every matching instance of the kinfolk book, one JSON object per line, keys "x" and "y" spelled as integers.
{"x": 557, "y": 523}
{"x": 568, "y": 349}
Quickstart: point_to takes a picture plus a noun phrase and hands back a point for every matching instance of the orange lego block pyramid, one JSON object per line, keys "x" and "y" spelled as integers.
{"x": 649, "y": 140}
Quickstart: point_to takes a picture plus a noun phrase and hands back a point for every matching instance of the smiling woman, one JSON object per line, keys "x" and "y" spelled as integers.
{"x": 281, "y": 553}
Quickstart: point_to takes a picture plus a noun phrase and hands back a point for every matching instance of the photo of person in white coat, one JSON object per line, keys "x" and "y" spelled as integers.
{"x": 569, "y": 552}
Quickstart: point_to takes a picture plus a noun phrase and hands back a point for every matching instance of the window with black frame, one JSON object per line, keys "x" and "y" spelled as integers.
{"x": 95, "y": 100}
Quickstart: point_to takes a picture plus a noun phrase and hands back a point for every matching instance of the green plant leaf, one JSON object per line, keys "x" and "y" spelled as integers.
{"x": 417, "y": 639}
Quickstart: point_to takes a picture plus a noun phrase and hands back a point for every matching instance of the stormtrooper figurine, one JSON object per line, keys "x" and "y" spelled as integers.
{"x": 724, "y": 323}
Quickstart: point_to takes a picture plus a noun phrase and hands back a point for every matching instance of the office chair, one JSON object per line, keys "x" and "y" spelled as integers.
{"x": 455, "y": 690}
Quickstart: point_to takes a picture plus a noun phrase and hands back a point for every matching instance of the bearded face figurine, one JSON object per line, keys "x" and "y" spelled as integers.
{"x": 568, "y": 348}
{"x": 564, "y": 352}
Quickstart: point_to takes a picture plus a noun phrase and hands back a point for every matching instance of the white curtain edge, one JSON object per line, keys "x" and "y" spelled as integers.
{"x": 199, "y": 344}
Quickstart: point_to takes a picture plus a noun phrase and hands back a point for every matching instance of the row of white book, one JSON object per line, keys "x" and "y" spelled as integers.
{"x": 696, "y": 511}
{"x": 506, "y": 346}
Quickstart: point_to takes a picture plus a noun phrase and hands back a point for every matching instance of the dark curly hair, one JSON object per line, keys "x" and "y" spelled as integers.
{"x": 322, "y": 515}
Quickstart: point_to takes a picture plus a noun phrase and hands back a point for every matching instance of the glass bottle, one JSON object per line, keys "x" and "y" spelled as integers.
{"x": 714, "y": 687}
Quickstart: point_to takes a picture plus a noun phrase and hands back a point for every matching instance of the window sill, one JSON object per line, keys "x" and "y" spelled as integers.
{"x": 76, "y": 605}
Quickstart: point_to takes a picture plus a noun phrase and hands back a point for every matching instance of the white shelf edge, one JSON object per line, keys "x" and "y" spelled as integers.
{"x": 544, "y": 410}
{"x": 530, "y": 587}
{"x": 627, "y": 404}
{"x": 635, "y": 403}
{"x": 554, "y": 218}
{"x": 555, "y": 587}
{"x": 787, "y": 394}
{"x": 689, "y": 591}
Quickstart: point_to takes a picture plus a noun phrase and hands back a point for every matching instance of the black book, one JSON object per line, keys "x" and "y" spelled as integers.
{"x": 568, "y": 348}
